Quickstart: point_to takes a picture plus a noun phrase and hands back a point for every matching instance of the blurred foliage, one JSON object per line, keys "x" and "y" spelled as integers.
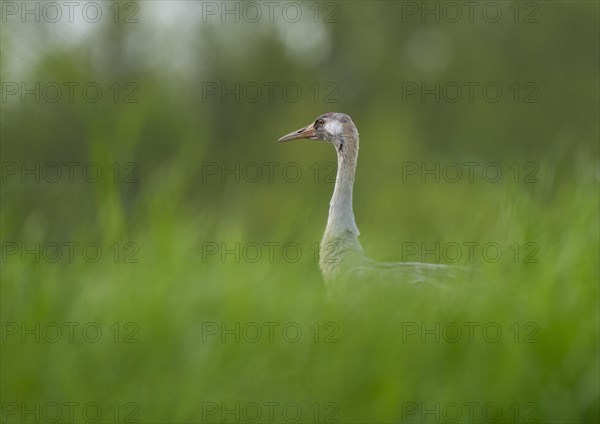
{"x": 173, "y": 135}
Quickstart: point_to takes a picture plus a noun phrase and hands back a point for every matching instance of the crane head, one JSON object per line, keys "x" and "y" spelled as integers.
{"x": 336, "y": 128}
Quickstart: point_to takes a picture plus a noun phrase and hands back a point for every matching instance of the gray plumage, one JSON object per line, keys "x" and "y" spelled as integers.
{"x": 342, "y": 258}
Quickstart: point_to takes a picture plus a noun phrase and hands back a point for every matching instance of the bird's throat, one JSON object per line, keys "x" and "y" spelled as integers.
{"x": 341, "y": 215}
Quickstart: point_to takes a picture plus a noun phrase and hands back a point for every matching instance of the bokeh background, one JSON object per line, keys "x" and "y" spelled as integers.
{"x": 179, "y": 134}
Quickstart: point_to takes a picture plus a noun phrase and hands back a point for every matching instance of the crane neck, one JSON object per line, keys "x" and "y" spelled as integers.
{"x": 341, "y": 221}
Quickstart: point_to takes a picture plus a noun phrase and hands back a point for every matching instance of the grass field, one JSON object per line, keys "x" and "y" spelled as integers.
{"x": 159, "y": 247}
{"x": 189, "y": 335}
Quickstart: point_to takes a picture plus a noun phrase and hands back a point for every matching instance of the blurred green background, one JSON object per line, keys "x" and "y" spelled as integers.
{"x": 179, "y": 133}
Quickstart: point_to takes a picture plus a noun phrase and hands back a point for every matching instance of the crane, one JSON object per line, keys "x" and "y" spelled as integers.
{"x": 341, "y": 255}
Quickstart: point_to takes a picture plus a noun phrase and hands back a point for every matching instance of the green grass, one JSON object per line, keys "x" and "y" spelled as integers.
{"x": 375, "y": 368}
{"x": 369, "y": 363}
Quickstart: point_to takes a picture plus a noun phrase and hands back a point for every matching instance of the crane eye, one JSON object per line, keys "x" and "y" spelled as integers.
{"x": 320, "y": 122}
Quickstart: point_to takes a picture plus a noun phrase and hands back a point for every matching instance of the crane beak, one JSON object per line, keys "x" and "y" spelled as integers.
{"x": 306, "y": 132}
